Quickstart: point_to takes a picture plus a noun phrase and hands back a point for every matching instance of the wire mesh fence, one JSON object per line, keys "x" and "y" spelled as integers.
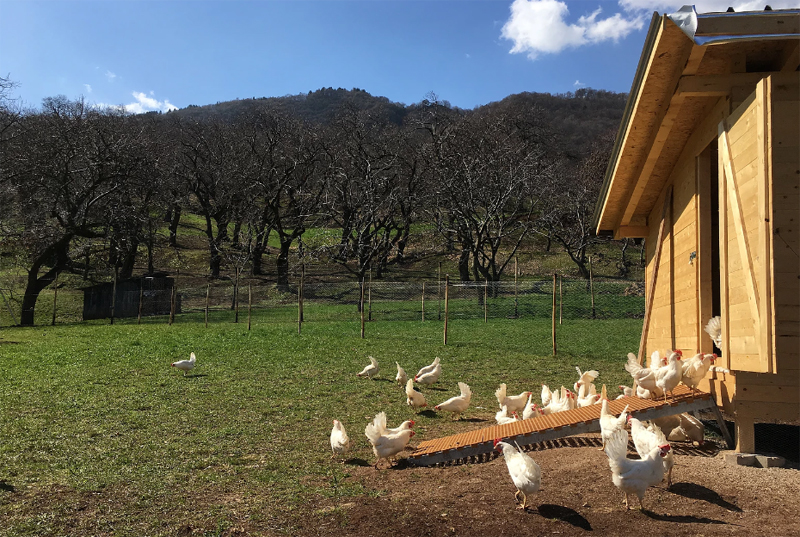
{"x": 223, "y": 301}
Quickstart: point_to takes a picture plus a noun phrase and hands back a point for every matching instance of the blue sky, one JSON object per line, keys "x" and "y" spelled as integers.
{"x": 156, "y": 55}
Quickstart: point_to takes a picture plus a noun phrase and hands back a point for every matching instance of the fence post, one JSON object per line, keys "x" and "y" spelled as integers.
{"x": 141, "y": 300}
{"x": 560, "y": 299}
{"x": 591, "y": 285}
{"x": 369, "y": 295}
{"x": 208, "y": 293}
{"x": 554, "y": 314}
{"x": 486, "y": 300}
{"x": 172, "y": 305}
{"x": 516, "y": 301}
{"x": 361, "y": 303}
{"x": 300, "y": 299}
{"x": 439, "y": 292}
{"x": 114, "y": 294}
{"x": 249, "y": 304}
{"x": 55, "y": 296}
{"x": 446, "y": 305}
{"x": 236, "y": 298}
{"x": 423, "y": 302}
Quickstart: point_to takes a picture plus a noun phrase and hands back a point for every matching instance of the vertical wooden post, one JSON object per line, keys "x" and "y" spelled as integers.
{"x": 141, "y": 301}
{"x": 249, "y": 304}
{"x": 446, "y": 305}
{"x": 560, "y": 300}
{"x": 486, "y": 300}
{"x": 55, "y": 297}
{"x": 361, "y": 304}
{"x": 114, "y": 294}
{"x": 300, "y": 299}
{"x": 369, "y": 296}
{"x": 439, "y": 292}
{"x": 516, "y": 302}
{"x": 172, "y": 305}
{"x": 303, "y": 292}
{"x": 236, "y": 298}
{"x": 554, "y": 314}
{"x": 591, "y": 286}
{"x": 423, "y": 302}
{"x": 208, "y": 296}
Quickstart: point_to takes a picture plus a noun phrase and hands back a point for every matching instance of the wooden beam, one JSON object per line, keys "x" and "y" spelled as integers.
{"x": 716, "y": 85}
{"x": 631, "y": 232}
{"x": 656, "y": 262}
{"x": 791, "y": 58}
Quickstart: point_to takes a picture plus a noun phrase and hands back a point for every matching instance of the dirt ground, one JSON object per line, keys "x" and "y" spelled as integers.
{"x": 707, "y": 498}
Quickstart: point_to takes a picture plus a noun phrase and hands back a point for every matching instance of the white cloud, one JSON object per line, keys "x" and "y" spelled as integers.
{"x": 148, "y": 104}
{"x": 88, "y": 88}
{"x": 110, "y": 76}
{"x": 578, "y": 84}
{"x": 540, "y": 27}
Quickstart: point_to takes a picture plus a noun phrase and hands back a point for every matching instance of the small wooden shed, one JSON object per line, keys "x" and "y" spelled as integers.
{"x": 706, "y": 168}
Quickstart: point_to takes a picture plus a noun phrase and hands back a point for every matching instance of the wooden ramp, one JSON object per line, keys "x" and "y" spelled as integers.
{"x": 478, "y": 445}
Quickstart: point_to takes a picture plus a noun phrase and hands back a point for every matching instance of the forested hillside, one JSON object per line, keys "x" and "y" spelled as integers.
{"x": 335, "y": 176}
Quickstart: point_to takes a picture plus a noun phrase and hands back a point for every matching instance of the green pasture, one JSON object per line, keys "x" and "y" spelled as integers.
{"x": 93, "y": 410}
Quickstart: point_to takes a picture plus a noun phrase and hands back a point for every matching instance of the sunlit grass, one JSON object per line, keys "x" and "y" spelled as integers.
{"x": 97, "y": 409}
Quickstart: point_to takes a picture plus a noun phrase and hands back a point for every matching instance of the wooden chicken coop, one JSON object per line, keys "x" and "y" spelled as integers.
{"x": 706, "y": 169}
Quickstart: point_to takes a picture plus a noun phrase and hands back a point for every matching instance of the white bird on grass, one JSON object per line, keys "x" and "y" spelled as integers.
{"x": 371, "y": 370}
{"x": 340, "y": 442}
{"x": 186, "y": 365}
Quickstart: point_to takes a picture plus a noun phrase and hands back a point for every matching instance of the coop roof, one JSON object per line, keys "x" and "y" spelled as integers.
{"x": 688, "y": 62}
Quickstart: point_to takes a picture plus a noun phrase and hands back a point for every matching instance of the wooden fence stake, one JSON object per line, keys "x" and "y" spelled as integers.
{"x": 249, "y": 304}
{"x": 369, "y": 296}
{"x": 486, "y": 300}
{"x": 361, "y": 304}
{"x": 439, "y": 292}
{"x": 560, "y": 300}
{"x": 114, "y": 294}
{"x": 591, "y": 286}
{"x": 236, "y": 298}
{"x": 172, "y": 305}
{"x": 55, "y": 297}
{"x": 516, "y": 301}
{"x": 554, "y": 315}
{"x": 423, "y": 302}
{"x": 141, "y": 301}
{"x": 208, "y": 294}
{"x": 446, "y": 305}
{"x": 300, "y": 299}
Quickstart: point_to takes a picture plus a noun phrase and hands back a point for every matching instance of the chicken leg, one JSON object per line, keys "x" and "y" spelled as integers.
{"x": 524, "y": 505}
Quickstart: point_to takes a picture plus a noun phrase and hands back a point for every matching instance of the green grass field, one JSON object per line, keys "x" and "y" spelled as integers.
{"x": 94, "y": 409}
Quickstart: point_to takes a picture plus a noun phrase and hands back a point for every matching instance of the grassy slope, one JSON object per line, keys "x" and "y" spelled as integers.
{"x": 96, "y": 410}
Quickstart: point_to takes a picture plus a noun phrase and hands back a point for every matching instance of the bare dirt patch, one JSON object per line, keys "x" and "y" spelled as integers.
{"x": 707, "y": 498}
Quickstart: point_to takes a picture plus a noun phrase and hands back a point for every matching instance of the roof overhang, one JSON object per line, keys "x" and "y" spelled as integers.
{"x": 690, "y": 65}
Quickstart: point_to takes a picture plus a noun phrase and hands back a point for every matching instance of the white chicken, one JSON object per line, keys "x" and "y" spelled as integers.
{"x": 682, "y": 428}
{"x": 560, "y": 402}
{"x": 587, "y": 377}
{"x": 340, "y": 442}
{"x": 531, "y": 409}
{"x": 669, "y": 376}
{"x": 401, "y": 377}
{"x": 457, "y": 404}
{"x": 714, "y": 329}
{"x": 627, "y": 391}
{"x": 430, "y": 374}
{"x": 547, "y": 395}
{"x": 587, "y": 395}
{"x": 647, "y": 437}
{"x": 503, "y": 416}
{"x": 695, "y": 368}
{"x": 515, "y": 403}
{"x": 609, "y": 423}
{"x": 634, "y": 476}
{"x": 524, "y": 472}
{"x": 385, "y": 444}
{"x": 414, "y": 399}
{"x": 644, "y": 377}
{"x": 379, "y": 423}
{"x": 186, "y": 365}
{"x": 371, "y": 370}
